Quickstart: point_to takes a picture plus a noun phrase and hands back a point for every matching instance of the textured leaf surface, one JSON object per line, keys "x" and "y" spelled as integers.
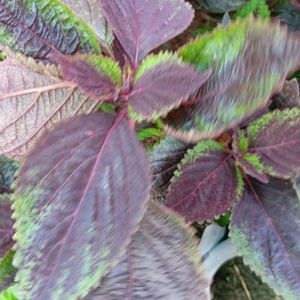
{"x": 143, "y": 25}
{"x": 90, "y": 12}
{"x": 164, "y": 160}
{"x": 265, "y": 227}
{"x": 6, "y": 225}
{"x": 30, "y": 102}
{"x": 275, "y": 138}
{"x": 220, "y": 6}
{"x": 199, "y": 191}
{"x": 95, "y": 75}
{"x": 289, "y": 96}
{"x": 7, "y": 271}
{"x": 8, "y": 168}
{"x": 250, "y": 60}
{"x": 162, "y": 262}
{"x": 162, "y": 82}
{"x": 41, "y": 28}
{"x": 289, "y": 14}
{"x": 82, "y": 205}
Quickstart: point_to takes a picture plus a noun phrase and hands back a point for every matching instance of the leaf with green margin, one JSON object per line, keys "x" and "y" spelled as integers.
{"x": 42, "y": 27}
{"x": 33, "y": 99}
{"x": 275, "y": 138}
{"x": 90, "y": 12}
{"x": 199, "y": 190}
{"x": 250, "y": 163}
{"x": 161, "y": 262}
{"x": 162, "y": 82}
{"x": 265, "y": 228}
{"x": 75, "y": 213}
{"x": 250, "y": 60}
{"x": 97, "y": 76}
{"x": 6, "y": 225}
{"x": 7, "y": 271}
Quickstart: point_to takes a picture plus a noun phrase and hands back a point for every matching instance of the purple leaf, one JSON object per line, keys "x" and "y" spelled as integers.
{"x": 265, "y": 228}
{"x": 251, "y": 169}
{"x": 143, "y": 25}
{"x": 199, "y": 191}
{"x": 6, "y": 225}
{"x": 32, "y": 99}
{"x": 250, "y": 61}
{"x": 39, "y": 29}
{"x": 162, "y": 82}
{"x": 90, "y": 12}
{"x": 275, "y": 138}
{"x": 161, "y": 262}
{"x": 164, "y": 160}
{"x": 76, "y": 210}
{"x": 95, "y": 75}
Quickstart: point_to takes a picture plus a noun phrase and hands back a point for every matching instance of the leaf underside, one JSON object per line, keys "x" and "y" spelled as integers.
{"x": 82, "y": 205}
{"x": 250, "y": 60}
{"x": 142, "y": 26}
{"x": 161, "y": 262}
{"x": 275, "y": 138}
{"x": 199, "y": 191}
{"x": 265, "y": 228}
{"x": 31, "y": 102}
{"x": 39, "y": 28}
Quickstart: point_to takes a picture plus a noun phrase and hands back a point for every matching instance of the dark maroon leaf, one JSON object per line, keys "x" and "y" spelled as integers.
{"x": 164, "y": 160}
{"x": 265, "y": 228}
{"x": 162, "y": 262}
{"x": 275, "y": 138}
{"x": 143, "y": 25}
{"x": 6, "y": 225}
{"x": 289, "y": 96}
{"x": 8, "y": 168}
{"x": 199, "y": 191}
{"x": 162, "y": 86}
{"x": 79, "y": 198}
{"x": 37, "y": 29}
{"x": 95, "y": 75}
{"x": 250, "y": 59}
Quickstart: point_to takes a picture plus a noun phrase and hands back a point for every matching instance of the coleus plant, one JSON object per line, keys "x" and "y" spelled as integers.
{"x": 85, "y": 227}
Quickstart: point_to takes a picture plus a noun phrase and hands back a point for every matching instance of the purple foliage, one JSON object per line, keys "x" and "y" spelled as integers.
{"x": 142, "y": 26}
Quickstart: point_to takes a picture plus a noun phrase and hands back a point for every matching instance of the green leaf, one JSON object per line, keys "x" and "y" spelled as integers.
{"x": 7, "y": 271}
{"x": 147, "y": 133}
{"x": 8, "y": 295}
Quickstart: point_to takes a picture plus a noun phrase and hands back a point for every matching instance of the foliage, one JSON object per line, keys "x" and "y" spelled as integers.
{"x": 81, "y": 219}
{"x": 258, "y": 7}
